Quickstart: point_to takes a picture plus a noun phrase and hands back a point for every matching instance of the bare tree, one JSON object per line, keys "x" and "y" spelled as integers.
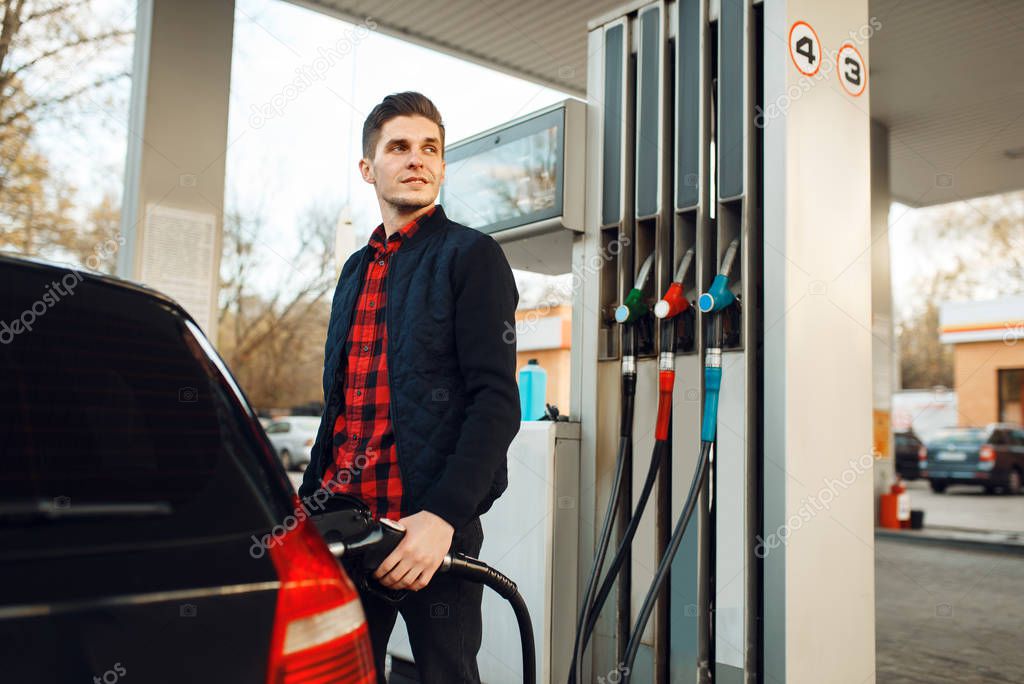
{"x": 972, "y": 249}
{"x": 44, "y": 45}
{"x": 51, "y": 57}
{"x": 272, "y": 337}
{"x": 987, "y": 236}
{"x": 924, "y": 361}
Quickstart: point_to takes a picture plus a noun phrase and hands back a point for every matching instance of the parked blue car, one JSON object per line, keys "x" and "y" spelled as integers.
{"x": 992, "y": 457}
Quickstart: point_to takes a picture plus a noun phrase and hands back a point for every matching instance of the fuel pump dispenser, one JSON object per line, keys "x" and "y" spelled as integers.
{"x": 675, "y": 86}
{"x": 714, "y": 301}
{"x": 627, "y": 314}
{"x": 672, "y": 304}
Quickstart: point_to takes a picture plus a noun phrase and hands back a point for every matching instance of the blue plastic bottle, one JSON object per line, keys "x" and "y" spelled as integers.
{"x": 533, "y": 382}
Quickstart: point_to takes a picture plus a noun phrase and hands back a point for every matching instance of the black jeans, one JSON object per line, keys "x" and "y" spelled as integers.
{"x": 443, "y": 621}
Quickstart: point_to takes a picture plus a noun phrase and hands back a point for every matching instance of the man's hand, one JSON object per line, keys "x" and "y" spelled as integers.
{"x": 418, "y": 556}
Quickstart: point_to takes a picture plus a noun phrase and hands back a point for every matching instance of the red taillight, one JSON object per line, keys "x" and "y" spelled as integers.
{"x": 922, "y": 453}
{"x": 987, "y": 454}
{"x": 320, "y": 632}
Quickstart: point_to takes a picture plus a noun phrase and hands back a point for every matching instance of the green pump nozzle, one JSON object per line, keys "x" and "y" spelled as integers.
{"x": 633, "y": 308}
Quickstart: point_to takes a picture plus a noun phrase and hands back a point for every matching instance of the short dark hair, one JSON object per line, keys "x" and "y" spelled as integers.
{"x": 394, "y": 105}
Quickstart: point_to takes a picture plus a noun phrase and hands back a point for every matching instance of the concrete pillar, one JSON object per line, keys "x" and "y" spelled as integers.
{"x": 818, "y": 344}
{"x": 172, "y": 213}
{"x": 885, "y": 351}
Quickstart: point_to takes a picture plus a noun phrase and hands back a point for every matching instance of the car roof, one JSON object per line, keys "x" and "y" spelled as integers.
{"x": 47, "y": 267}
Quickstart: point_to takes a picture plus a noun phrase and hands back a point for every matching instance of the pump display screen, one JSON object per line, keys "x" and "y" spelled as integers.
{"x": 509, "y": 178}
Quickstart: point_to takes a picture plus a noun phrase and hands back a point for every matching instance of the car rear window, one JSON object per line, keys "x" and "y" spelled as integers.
{"x": 965, "y": 436}
{"x": 108, "y": 399}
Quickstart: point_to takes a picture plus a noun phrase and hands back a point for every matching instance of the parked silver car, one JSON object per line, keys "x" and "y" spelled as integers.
{"x": 292, "y": 437}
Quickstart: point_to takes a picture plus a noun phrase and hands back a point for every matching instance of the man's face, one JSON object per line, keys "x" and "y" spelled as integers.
{"x": 407, "y": 167}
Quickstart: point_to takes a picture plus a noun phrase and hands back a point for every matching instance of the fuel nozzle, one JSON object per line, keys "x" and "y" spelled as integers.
{"x": 633, "y": 308}
{"x": 675, "y": 302}
{"x": 718, "y": 295}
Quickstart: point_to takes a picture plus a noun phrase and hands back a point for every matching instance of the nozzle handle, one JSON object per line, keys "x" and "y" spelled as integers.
{"x": 712, "y": 384}
{"x": 718, "y": 296}
{"x": 632, "y": 309}
{"x": 673, "y": 303}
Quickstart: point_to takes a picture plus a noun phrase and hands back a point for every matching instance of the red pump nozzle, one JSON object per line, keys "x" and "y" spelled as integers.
{"x": 675, "y": 302}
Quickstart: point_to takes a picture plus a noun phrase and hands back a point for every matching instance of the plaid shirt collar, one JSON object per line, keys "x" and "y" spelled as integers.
{"x": 380, "y": 243}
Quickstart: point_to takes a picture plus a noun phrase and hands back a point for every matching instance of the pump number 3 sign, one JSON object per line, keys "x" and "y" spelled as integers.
{"x": 804, "y": 48}
{"x": 853, "y": 73}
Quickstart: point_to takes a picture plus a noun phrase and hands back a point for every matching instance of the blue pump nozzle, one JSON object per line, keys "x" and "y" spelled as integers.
{"x": 718, "y": 295}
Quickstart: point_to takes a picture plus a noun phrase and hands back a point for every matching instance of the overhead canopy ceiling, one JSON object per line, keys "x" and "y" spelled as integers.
{"x": 946, "y": 78}
{"x": 537, "y": 40}
{"x": 945, "y": 75}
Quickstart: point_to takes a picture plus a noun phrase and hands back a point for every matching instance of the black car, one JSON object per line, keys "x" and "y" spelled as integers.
{"x": 992, "y": 457}
{"x": 148, "y": 532}
{"x": 909, "y": 452}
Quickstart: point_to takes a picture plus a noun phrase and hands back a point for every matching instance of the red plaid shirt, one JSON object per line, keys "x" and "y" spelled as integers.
{"x": 365, "y": 460}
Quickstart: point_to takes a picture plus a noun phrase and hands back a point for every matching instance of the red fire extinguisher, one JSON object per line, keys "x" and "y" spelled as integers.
{"x": 894, "y": 507}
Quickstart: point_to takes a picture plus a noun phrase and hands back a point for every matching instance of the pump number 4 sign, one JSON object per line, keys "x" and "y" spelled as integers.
{"x": 853, "y": 73}
{"x": 804, "y": 48}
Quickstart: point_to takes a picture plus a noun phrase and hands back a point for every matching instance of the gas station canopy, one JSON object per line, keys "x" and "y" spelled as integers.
{"x": 945, "y": 75}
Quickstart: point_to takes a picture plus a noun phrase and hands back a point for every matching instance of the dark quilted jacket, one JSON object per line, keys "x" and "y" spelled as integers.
{"x": 451, "y": 355}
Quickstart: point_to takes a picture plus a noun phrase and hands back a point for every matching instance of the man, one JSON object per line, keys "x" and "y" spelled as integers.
{"x": 420, "y": 386}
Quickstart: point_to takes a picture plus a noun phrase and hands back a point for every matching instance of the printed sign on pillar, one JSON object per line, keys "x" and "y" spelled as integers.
{"x": 853, "y": 72}
{"x": 804, "y": 48}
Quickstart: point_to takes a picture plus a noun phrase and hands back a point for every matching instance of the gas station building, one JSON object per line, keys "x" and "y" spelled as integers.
{"x": 988, "y": 358}
{"x": 788, "y": 127}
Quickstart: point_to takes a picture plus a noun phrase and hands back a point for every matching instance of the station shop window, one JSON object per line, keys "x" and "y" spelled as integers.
{"x": 1011, "y": 386}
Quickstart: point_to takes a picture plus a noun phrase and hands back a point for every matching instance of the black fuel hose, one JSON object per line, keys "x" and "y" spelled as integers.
{"x": 474, "y": 570}
{"x": 371, "y": 541}
{"x": 660, "y": 449}
{"x": 625, "y": 440}
{"x": 633, "y": 645}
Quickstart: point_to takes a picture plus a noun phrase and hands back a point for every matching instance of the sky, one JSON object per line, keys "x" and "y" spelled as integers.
{"x": 86, "y": 142}
{"x": 301, "y": 145}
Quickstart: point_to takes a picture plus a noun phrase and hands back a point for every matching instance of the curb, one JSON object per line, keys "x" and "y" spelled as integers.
{"x": 975, "y": 541}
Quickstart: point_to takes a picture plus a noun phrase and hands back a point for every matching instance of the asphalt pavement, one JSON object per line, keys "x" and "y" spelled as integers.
{"x": 968, "y": 507}
{"x": 947, "y": 614}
